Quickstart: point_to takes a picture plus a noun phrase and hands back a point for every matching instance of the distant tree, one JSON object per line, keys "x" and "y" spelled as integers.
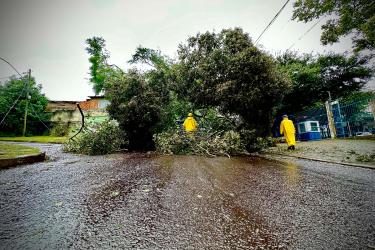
{"x": 313, "y": 76}
{"x": 13, "y": 123}
{"x": 98, "y": 59}
{"x": 356, "y": 16}
{"x": 227, "y": 71}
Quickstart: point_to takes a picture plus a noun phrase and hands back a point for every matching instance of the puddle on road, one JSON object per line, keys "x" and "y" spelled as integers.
{"x": 208, "y": 193}
{"x": 292, "y": 174}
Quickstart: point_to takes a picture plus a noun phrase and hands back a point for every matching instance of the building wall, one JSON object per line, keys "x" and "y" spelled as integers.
{"x": 67, "y": 111}
{"x": 52, "y": 106}
{"x": 66, "y": 116}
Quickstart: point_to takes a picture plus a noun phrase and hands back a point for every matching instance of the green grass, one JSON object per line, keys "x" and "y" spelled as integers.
{"x": 12, "y": 150}
{"x": 42, "y": 139}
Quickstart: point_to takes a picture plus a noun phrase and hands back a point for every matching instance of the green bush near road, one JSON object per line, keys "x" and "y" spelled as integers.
{"x": 228, "y": 143}
{"x": 96, "y": 139}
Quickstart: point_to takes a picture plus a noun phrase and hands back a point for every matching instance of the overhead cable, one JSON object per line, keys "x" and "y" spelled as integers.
{"x": 304, "y": 34}
{"x": 272, "y": 21}
{"x": 24, "y": 87}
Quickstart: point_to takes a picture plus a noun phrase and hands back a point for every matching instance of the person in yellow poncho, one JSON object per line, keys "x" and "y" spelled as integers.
{"x": 190, "y": 124}
{"x": 287, "y": 128}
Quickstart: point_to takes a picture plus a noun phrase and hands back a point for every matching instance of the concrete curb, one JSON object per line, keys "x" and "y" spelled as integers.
{"x": 26, "y": 159}
{"x": 322, "y": 160}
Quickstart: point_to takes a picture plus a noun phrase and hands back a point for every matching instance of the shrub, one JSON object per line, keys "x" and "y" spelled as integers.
{"x": 60, "y": 129}
{"x": 253, "y": 143}
{"x": 228, "y": 143}
{"x": 96, "y": 139}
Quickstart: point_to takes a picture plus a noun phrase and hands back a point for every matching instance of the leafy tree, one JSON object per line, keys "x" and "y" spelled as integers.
{"x": 101, "y": 71}
{"x": 356, "y": 16}
{"x": 227, "y": 71}
{"x": 313, "y": 76}
{"x": 138, "y": 106}
{"x": 13, "y": 123}
{"x": 139, "y": 100}
{"x": 150, "y": 57}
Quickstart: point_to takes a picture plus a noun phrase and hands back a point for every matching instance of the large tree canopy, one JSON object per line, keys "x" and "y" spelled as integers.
{"x": 346, "y": 17}
{"x": 313, "y": 76}
{"x": 139, "y": 100}
{"x": 13, "y": 123}
{"x": 227, "y": 71}
{"x": 138, "y": 103}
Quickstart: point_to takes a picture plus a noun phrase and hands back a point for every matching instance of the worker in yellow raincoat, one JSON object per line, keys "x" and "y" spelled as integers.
{"x": 288, "y": 130}
{"x": 190, "y": 124}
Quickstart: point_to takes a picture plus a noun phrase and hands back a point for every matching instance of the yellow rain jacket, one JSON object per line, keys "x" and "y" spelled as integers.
{"x": 287, "y": 128}
{"x": 190, "y": 124}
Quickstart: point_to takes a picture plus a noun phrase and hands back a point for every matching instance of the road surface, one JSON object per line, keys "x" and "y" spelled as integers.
{"x": 146, "y": 201}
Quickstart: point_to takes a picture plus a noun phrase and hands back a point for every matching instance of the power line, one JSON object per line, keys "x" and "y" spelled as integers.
{"x": 304, "y": 34}
{"x": 23, "y": 89}
{"x": 272, "y": 21}
{"x": 14, "y": 104}
{"x": 11, "y": 66}
{"x": 36, "y": 114}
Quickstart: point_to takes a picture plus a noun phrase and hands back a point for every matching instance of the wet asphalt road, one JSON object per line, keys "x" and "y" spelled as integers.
{"x": 183, "y": 202}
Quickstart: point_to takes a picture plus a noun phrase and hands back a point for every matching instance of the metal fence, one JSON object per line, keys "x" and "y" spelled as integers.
{"x": 351, "y": 118}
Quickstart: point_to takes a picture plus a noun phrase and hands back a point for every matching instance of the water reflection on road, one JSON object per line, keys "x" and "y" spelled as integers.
{"x": 171, "y": 202}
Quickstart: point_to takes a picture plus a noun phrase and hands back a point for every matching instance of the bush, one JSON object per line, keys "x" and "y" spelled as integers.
{"x": 60, "y": 129}
{"x": 96, "y": 139}
{"x": 253, "y": 143}
{"x": 228, "y": 143}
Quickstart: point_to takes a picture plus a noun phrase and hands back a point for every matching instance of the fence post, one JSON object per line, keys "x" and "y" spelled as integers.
{"x": 331, "y": 122}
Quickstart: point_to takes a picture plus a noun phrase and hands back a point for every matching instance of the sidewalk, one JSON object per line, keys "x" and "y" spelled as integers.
{"x": 359, "y": 153}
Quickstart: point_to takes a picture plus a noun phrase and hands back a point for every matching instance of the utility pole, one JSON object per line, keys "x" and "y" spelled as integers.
{"x": 27, "y": 104}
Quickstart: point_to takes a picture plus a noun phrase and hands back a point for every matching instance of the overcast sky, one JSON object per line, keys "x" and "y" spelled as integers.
{"x": 48, "y": 36}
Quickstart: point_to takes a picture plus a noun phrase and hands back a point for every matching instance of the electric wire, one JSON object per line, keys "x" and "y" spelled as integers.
{"x": 304, "y": 34}
{"x": 31, "y": 106}
{"x": 11, "y": 66}
{"x": 36, "y": 114}
{"x": 272, "y": 21}
{"x": 14, "y": 104}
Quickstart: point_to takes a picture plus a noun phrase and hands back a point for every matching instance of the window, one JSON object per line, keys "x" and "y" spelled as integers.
{"x": 314, "y": 126}
{"x": 302, "y": 128}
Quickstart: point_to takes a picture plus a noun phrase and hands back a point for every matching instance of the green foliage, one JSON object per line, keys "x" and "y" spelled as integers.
{"x": 313, "y": 76}
{"x": 227, "y": 71}
{"x": 212, "y": 120}
{"x": 228, "y": 143}
{"x": 138, "y": 103}
{"x": 96, "y": 139}
{"x": 346, "y": 17}
{"x": 150, "y": 57}
{"x": 98, "y": 59}
{"x": 357, "y": 103}
{"x": 366, "y": 158}
{"x": 60, "y": 129}
{"x": 13, "y": 124}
